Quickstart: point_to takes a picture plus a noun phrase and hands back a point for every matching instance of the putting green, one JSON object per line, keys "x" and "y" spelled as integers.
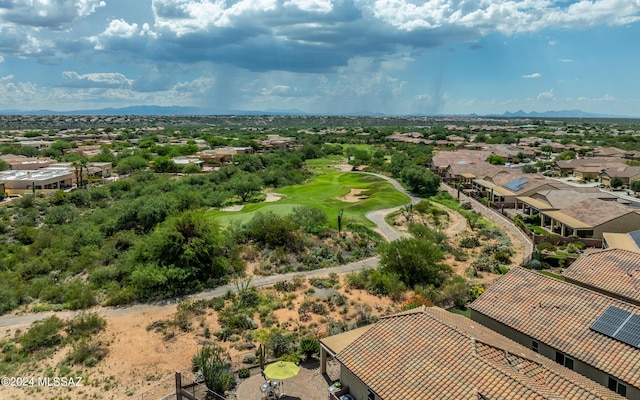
{"x": 324, "y": 191}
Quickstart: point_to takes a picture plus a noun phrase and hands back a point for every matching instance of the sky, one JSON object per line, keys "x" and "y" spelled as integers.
{"x": 395, "y": 57}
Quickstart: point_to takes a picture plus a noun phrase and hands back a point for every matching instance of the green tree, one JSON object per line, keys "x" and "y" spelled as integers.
{"x": 495, "y": 160}
{"x": 164, "y": 164}
{"x": 4, "y": 166}
{"x": 310, "y": 219}
{"x": 399, "y": 161}
{"x": 566, "y": 155}
{"x": 188, "y": 249}
{"x": 616, "y": 182}
{"x": 130, "y": 164}
{"x": 421, "y": 181}
{"x": 244, "y": 185}
{"x": 529, "y": 169}
{"x": 191, "y": 169}
{"x": 416, "y": 261}
{"x": 635, "y": 186}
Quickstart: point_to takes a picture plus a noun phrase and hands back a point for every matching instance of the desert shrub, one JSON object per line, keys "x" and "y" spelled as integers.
{"x": 243, "y": 373}
{"x": 42, "y": 334}
{"x": 287, "y": 286}
{"x": 249, "y": 359}
{"x": 535, "y": 264}
{"x": 117, "y": 296}
{"x": 217, "y": 303}
{"x": 469, "y": 242}
{"x": 325, "y": 282}
{"x": 466, "y": 205}
{"x": 309, "y": 346}
{"x": 460, "y": 303}
{"x": 503, "y": 257}
{"x": 319, "y": 308}
{"x": 87, "y": 353}
{"x": 415, "y": 302}
{"x": 291, "y": 357}
{"x": 85, "y": 325}
{"x": 485, "y": 263}
{"x": 279, "y": 344}
{"x": 385, "y": 283}
{"x": 475, "y": 291}
{"x": 546, "y": 246}
{"x": 575, "y": 247}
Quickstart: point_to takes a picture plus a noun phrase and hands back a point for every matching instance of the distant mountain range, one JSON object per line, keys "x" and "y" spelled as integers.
{"x": 184, "y": 111}
{"x": 558, "y": 114}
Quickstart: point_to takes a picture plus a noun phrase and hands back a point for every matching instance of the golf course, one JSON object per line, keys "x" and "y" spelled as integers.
{"x": 327, "y": 192}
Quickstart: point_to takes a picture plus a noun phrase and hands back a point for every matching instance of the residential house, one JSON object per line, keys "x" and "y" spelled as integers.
{"x": 567, "y": 167}
{"x": 557, "y": 199}
{"x": 626, "y": 173}
{"x": 24, "y": 181}
{"x": 628, "y": 241}
{"x": 465, "y": 173}
{"x": 609, "y": 152}
{"x": 22, "y": 163}
{"x": 443, "y": 159}
{"x": 613, "y": 272}
{"x": 85, "y": 151}
{"x": 564, "y": 322}
{"x": 505, "y": 187}
{"x": 590, "y": 218}
{"x": 430, "y": 353}
{"x": 277, "y": 142}
{"x": 222, "y": 154}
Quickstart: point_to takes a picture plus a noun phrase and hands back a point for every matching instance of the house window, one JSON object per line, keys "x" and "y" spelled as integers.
{"x": 535, "y": 346}
{"x": 564, "y": 359}
{"x": 617, "y": 386}
{"x": 585, "y": 233}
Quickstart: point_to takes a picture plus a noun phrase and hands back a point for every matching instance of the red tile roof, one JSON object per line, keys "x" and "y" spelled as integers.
{"x": 614, "y": 271}
{"x": 560, "y": 314}
{"x": 430, "y": 353}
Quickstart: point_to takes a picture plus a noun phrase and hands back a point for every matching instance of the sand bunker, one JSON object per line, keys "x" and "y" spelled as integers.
{"x": 354, "y": 196}
{"x": 273, "y": 197}
{"x": 233, "y": 208}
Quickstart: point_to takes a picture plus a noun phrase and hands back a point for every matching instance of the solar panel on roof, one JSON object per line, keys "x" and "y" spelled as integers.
{"x": 620, "y": 325}
{"x": 635, "y": 236}
{"x": 516, "y": 185}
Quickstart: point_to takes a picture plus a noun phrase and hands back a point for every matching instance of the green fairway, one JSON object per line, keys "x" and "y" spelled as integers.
{"x": 324, "y": 192}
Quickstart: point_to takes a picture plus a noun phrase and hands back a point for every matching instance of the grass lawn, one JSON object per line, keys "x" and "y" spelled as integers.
{"x": 323, "y": 191}
{"x": 551, "y": 274}
{"x": 466, "y": 312}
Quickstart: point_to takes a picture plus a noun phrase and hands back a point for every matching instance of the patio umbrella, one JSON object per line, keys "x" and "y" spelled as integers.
{"x": 281, "y": 370}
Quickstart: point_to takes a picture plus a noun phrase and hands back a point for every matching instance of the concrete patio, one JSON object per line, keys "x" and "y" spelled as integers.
{"x": 309, "y": 384}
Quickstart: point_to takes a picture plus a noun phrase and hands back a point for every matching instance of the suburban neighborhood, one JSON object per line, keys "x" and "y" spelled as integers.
{"x": 490, "y": 270}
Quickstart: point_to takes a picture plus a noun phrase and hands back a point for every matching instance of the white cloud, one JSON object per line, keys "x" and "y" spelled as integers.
{"x": 565, "y": 60}
{"x": 96, "y": 80}
{"x": 506, "y": 16}
{"x": 532, "y": 76}
{"x": 120, "y": 28}
{"x": 189, "y": 16}
{"x": 47, "y": 13}
{"x": 319, "y": 6}
{"x": 546, "y": 96}
{"x": 1, "y": 59}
